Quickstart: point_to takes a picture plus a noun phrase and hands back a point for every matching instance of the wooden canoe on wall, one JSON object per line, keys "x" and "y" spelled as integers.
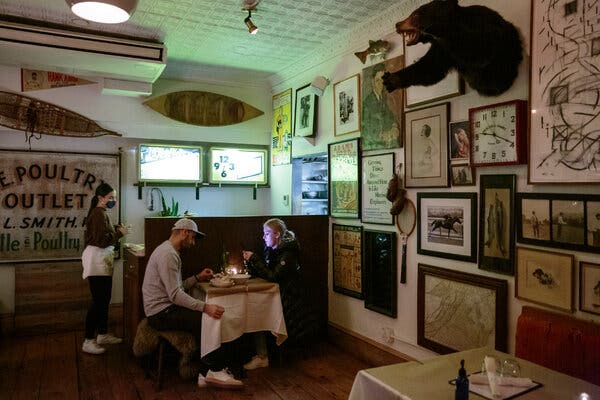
{"x": 32, "y": 115}
{"x": 203, "y": 108}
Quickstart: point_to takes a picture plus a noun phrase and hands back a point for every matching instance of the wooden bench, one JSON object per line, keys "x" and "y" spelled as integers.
{"x": 559, "y": 342}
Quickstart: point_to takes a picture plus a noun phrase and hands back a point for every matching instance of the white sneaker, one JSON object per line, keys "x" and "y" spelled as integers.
{"x": 108, "y": 339}
{"x": 257, "y": 362}
{"x": 223, "y": 379}
{"x": 91, "y": 347}
{"x": 201, "y": 381}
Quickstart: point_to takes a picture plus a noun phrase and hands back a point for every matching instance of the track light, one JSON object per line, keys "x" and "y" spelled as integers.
{"x": 104, "y": 11}
{"x": 251, "y": 27}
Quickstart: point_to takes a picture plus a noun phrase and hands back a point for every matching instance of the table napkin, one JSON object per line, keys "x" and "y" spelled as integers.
{"x": 480, "y": 379}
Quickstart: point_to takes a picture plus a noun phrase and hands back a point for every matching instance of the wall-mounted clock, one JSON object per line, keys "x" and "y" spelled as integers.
{"x": 499, "y": 133}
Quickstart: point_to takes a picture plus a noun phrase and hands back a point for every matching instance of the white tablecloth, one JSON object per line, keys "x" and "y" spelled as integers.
{"x": 257, "y": 308}
{"x": 366, "y": 386}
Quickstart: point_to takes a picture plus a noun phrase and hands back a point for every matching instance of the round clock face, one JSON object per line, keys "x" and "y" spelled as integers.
{"x": 494, "y": 134}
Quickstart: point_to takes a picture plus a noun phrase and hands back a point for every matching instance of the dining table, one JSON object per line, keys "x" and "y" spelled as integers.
{"x": 252, "y": 306}
{"x": 430, "y": 380}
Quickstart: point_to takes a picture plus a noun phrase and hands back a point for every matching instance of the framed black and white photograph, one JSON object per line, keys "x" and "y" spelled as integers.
{"x": 305, "y": 115}
{"x": 377, "y": 170}
{"x": 380, "y": 272}
{"x": 568, "y": 223}
{"x": 496, "y": 226}
{"x": 346, "y": 105}
{"x": 592, "y": 211}
{"x": 447, "y": 225}
{"x": 589, "y": 287}
{"x": 462, "y": 175}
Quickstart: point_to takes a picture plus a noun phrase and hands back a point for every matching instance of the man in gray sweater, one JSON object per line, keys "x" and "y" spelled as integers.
{"x": 169, "y": 307}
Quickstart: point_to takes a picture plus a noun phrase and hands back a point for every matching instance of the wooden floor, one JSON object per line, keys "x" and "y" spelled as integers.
{"x": 53, "y": 367}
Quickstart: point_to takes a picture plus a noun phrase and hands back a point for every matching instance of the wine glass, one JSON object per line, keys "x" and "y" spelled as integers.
{"x": 510, "y": 368}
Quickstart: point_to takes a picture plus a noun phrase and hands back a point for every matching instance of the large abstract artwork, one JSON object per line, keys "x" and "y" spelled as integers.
{"x": 565, "y": 92}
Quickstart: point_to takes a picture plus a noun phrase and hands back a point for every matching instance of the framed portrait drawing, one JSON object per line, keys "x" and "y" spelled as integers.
{"x": 305, "y": 115}
{"x": 380, "y": 272}
{"x": 347, "y": 256}
{"x": 458, "y": 311}
{"x": 344, "y": 179}
{"x": 377, "y": 170}
{"x": 452, "y": 85}
{"x": 382, "y": 114}
{"x": 346, "y": 105}
{"x": 497, "y": 228}
{"x": 462, "y": 175}
{"x": 426, "y": 147}
{"x": 460, "y": 141}
{"x": 589, "y": 287}
{"x": 545, "y": 277}
{"x": 563, "y": 120}
{"x": 281, "y": 128}
{"x": 447, "y": 225}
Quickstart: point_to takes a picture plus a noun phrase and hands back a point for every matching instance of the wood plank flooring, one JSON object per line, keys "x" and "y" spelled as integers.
{"x": 53, "y": 367}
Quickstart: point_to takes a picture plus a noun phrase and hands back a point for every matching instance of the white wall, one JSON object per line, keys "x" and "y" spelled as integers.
{"x": 348, "y": 312}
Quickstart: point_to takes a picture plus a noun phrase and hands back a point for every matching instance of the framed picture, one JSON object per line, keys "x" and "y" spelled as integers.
{"x": 462, "y": 175}
{"x": 497, "y": 227}
{"x": 305, "y": 115}
{"x": 460, "y": 141}
{"x": 452, "y": 85}
{"x": 382, "y": 113}
{"x": 458, "y": 311}
{"x": 347, "y": 272}
{"x": 281, "y": 128}
{"x": 380, "y": 273}
{"x": 377, "y": 170}
{"x": 346, "y": 105}
{"x": 426, "y": 147}
{"x": 344, "y": 179}
{"x": 564, "y": 134}
{"x": 561, "y": 220}
{"x": 589, "y": 287}
{"x": 545, "y": 277}
{"x": 447, "y": 225}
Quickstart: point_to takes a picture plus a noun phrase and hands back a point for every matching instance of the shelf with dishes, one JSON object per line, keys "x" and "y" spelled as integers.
{"x": 311, "y": 200}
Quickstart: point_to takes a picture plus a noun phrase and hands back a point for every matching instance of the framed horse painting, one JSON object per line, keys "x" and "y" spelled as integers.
{"x": 447, "y": 225}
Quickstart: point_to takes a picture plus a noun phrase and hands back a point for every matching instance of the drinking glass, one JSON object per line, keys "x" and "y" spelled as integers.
{"x": 510, "y": 368}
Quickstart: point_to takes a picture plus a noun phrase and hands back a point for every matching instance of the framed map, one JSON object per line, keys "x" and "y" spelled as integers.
{"x": 459, "y": 311}
{"x": 347, "y": 259}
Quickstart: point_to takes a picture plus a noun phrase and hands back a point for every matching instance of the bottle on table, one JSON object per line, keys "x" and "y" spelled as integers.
{"x": 462, "y": 383}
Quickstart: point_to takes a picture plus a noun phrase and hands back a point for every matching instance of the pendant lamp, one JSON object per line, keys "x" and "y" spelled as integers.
{"x": 103, "y": 11}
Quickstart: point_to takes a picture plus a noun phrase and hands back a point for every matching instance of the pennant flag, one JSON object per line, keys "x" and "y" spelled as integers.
{"x": 32, "y": 79}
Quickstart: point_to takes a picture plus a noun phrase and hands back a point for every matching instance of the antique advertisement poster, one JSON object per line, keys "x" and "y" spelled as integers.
{"x": 44, "y": 200}
{"x": 377, "y": 171}
{"x": 347, "y": 259}
{"x": 344, "y": 179}
{"x": 281, "y": 130}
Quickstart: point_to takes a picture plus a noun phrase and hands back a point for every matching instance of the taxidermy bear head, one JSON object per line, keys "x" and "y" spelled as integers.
{"x": 482, "y": 46}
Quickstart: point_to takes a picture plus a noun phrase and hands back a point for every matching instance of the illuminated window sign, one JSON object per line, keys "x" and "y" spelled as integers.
{"x": 238, "y": 165}
{"x": 167, "y": 163}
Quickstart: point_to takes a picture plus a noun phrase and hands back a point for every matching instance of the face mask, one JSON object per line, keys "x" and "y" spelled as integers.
{"x": 111, "y": 203}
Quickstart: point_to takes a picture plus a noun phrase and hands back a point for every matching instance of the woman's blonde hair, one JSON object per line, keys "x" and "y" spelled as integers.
{"x": 278, "y": 225}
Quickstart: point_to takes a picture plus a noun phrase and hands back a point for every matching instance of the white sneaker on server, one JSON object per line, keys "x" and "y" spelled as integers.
{"x": 223, "y": 379}
{"x": 201, "y": 381}
{"x": 108, "y": 339}
{"x": 91, "y": 347}
{"x": 257, "y": 362}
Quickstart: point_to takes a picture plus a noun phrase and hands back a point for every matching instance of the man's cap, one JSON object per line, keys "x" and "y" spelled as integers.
{"x": 188, "y": 224}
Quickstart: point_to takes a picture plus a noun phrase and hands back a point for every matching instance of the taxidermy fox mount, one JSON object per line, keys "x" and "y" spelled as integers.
{"x": 482, "y": 46}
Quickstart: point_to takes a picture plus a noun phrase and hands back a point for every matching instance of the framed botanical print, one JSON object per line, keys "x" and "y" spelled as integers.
{"x": 344, "y": 179}
{"x": 460, "y": 141}
{"x": 377, "y": 170}
{"x": 563, "y": 139}
{"x": 458, "y": 311}
{"x": 281, "y": 128}
{"x": 346, "y": 105}
{"x": 347, "y": 260}
{"x": 380, "y": 272}
{"x": 426, "y": 147}
{"x": 545, "y": 277}
{"x": 382, "y": 114}
{"x": 447, "y": 225}
{"x": 496, "y": 226}
{"x": 305, "y": 115}
{"x": 589, "y": 287}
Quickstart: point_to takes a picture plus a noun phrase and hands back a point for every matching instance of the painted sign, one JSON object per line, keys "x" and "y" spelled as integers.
{"x": 44, "y": 200}
{"x": 32, "y": 79}
{"x": 281, "y": 130}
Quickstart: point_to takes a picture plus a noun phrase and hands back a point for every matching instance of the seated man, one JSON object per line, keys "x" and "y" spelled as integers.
{"x": 169, "y": 307}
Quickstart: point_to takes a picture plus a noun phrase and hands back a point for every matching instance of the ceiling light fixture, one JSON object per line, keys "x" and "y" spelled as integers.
{"x": 103, "y": 11}
{"x": 251, "y": 27}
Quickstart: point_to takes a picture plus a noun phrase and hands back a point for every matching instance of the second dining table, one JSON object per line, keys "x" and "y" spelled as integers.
{"x": 249, "y": 307}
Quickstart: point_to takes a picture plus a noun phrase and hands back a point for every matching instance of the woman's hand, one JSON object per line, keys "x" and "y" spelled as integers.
{"x": 124, "y": 229}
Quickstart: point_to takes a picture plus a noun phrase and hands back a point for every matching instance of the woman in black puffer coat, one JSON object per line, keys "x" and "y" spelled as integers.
{"x": 280, "y": 263}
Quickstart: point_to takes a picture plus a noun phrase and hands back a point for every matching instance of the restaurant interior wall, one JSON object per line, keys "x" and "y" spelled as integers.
{"x": 350, "y": 313}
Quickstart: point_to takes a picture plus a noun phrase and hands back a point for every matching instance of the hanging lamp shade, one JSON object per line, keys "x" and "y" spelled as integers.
{"x": 103, "y": 11}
